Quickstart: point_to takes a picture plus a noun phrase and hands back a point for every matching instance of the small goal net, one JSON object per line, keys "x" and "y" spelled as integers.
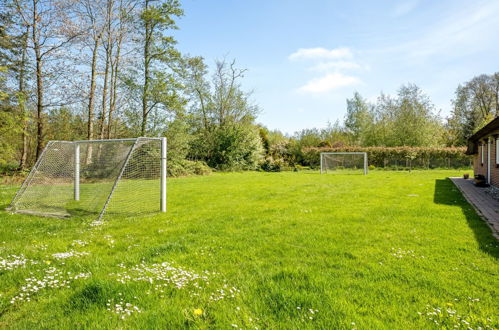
{"x": 346, "y": 162}
{"x": 90, "y": 178}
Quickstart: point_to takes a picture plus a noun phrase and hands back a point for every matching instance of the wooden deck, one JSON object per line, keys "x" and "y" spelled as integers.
{"x": 486, "y": 206}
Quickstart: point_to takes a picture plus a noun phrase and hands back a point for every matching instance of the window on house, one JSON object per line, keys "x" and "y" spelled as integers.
{"x": 497, "y": 151}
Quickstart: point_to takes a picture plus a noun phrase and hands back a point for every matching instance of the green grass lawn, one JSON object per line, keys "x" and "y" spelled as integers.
{"x": 260, "y": 250}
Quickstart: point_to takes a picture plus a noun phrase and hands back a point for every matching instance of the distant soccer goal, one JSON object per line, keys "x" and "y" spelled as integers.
{"x": 121, "y": 176}
{"x": 351, "y": 162}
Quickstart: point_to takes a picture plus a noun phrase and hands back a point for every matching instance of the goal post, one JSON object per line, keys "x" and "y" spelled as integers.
{"x": 344, "y": 161}
{"x": 94, "y": 177}
{"x": 163, "y": 174}
{"x": 77, "y": 172}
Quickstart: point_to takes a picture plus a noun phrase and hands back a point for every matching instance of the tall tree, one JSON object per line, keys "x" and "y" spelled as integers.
{"x": 9, "y": 126}
{"x": 156, "y": 19}
{"x": 197, "y": 88}
{"x": 408, "y": 119}
{"x": 7, "y": 115}
{"x": 122, "y": 32}
{"x": 93, "y": 17}
{"x": 51, "y": 29}
{"x": 108, "y": 49}
{"x": 95, "y": 21}
{"x": 22, "y": 97}
{"x": 226, "y": 136}
{"x": 415, "y": 121}
{"x": 476, "y": 102}
{"x": 359, "y": 119}
{"x": 230, "y": 102}
{"x": 13, "y": 57}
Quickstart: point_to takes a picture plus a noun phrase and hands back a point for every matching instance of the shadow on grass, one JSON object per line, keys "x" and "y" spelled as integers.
{"x": 448, "y": 194}
{"x": 4, "y": 206}
{"x": 78, "y": 212}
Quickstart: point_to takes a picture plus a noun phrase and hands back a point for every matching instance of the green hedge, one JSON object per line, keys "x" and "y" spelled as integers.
{"x": 186, "y": 167}
{"x": 412, "y": 157}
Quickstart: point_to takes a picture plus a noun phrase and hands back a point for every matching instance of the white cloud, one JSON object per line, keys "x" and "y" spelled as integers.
{"x": 319, "y": 53}
{"x": 336, "y": 65}
{"x": 404, "y": 8}
{"x": 332, "y": 63}
{"x": 329, "y": 82}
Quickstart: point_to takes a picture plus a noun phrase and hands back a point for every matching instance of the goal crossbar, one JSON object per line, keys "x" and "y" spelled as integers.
{"x": 125, "y": 176}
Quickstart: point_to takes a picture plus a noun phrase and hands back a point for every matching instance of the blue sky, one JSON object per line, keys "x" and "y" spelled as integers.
{"x": 304, "y": 58}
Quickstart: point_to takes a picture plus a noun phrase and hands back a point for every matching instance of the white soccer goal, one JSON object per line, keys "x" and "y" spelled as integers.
{"x": 121, "y": 176}
{"x": 350, "y": 161}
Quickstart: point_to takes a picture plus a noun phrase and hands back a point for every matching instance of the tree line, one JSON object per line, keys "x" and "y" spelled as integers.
{"x": 102, "y": 69}
{"x": 407, "y": 119}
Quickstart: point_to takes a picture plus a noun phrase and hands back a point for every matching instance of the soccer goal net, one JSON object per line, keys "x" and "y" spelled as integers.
{"x": 122, "y": 176}
{"x": 354, "y": 162}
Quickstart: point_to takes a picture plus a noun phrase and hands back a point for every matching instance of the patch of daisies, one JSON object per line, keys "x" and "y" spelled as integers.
{"x": 400, "y": 253}
{"x": 448, "y": 317}
{"x": 307, "y": 314}
{"x": 224, "y": 292}
{"x": 164, "y": 276}
{"x": 121, "y": 308}
{"x": 161, "y": 275}
{"x": 110, "y": 240}
{"x": 41, "y": 247}
{"x": 79, "y": 243}
{"x": 13, "y": 261}
{"x": 50, "y": 278}
{"x": 69, "y": 254}
{"x": 208, "y": 251}
{"x": 53, "y": 278}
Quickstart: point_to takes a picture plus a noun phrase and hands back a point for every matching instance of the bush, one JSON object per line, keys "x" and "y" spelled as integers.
{"x": 299, "y": 167}
{"x": 9, "y": 169}
{"x": 186, "y": 167}
{"x": 272, "y": 165}
{"x": 235, "y": 147}
{"x": 11, "y": 174}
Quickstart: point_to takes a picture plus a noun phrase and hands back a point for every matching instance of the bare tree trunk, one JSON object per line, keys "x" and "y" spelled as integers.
{"x": 104, "y": 90}
{"x": 114, "y": 85}
{"x": 22, "y": 102}
{"x": 91, "y": 100}
{"x": 102, "y": 120}
{"x": 203, "y": 109}
{"x": 109, "y": 51}
{"x": 145, "y": 91}
{"x": 24, "y": 153}
{"x": 39, "y": 82}
{"x": 91, "y": 95}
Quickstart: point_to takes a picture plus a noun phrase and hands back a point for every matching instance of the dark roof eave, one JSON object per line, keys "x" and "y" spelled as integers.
{"x": 486, "y": 130}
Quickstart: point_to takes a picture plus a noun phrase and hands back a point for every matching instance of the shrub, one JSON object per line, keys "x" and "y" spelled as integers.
{"x": 200, "y": 168}
{"x": 299, "y": 167}
{"x": 11, "y": 174}
{"x": 235, "y": 147}
{"x": 272, "y": 165}
{"x": 186, "y": 167}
